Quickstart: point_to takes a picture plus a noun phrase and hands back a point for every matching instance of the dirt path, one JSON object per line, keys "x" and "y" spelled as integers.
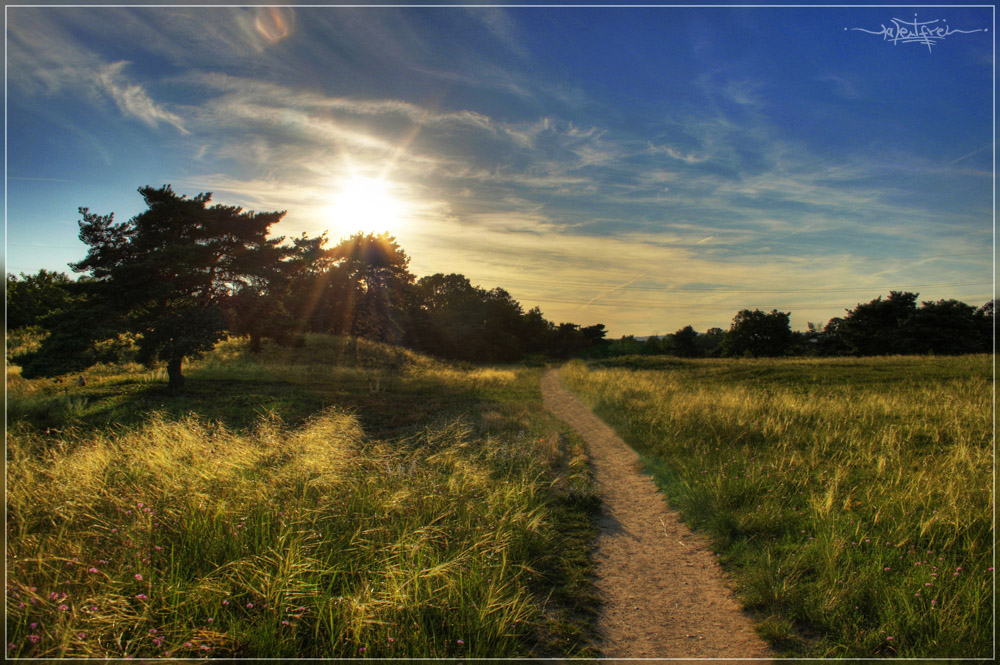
{"x": 663, "y": 592}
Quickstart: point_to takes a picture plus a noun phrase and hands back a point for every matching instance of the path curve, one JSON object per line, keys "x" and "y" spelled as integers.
{"x": 663, "y": 593}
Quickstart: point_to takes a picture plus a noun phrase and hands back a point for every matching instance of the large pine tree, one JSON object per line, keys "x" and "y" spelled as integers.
{"x": 165, "y": 275}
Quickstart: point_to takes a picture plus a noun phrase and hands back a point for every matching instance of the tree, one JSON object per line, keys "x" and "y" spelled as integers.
{"x": 454, "y": 319}
{"x": 759, "y": 333}
{"x": 685, "y": 343}
{"x": 377, "y": 269}
{"x": 945, "y": 327}
{"x": 165, "y": 274}
{"x": 880, "y": 327}
{"x": 711, "y": 343}
{"x": 829, "y": 341}
{"x": 983, "y": 319}
{"x": 33, "y": 297}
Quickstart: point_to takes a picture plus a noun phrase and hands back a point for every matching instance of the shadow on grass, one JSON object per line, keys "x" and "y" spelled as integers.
{"x": 396, "y": 410}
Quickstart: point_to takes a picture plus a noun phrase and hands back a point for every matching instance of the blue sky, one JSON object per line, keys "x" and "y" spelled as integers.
{"x": 647, "y": 168}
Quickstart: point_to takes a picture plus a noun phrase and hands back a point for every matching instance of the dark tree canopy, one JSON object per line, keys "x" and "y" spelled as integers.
{"x": 377, "y": 271}
{"x": 165, "y": 275}
{"x": 945, "y": 327}
{"x": 758, "y": 333}
{"x": 31, "y": 298}
{"x": 880, "y": 327}
{"x": 685, "y": 343}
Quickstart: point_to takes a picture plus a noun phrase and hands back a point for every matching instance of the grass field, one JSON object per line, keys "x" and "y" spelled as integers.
{"x": 850, "y": 499}
{"x": 344, "y": 499}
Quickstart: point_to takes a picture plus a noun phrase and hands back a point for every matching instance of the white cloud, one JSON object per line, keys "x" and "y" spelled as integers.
{"x": 132, "y": 99}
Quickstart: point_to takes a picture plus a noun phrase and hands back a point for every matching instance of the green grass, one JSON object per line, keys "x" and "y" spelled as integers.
{"x": 344, "y": 499}
{"x": 851, "y": 500}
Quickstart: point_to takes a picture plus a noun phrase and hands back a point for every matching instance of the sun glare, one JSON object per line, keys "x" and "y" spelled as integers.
{"x": 366, "y": 205}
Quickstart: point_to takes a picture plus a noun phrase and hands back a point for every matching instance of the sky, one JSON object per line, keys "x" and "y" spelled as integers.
{"x": 642, "y": 167}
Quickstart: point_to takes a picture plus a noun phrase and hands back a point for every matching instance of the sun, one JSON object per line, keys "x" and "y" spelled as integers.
{"x": 367, "y": 205}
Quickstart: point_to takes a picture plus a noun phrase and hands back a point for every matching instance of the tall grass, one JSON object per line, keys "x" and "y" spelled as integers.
{"x": 181, "y": 536}
{"x": 851, "y": 500}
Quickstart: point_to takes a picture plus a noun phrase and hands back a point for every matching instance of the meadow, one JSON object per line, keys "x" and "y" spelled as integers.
{"x": 343, "y": 499}
{"x": 850, "y": 500}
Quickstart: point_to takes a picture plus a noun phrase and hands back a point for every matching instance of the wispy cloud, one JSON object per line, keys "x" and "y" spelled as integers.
{"x": 133, "y": 100}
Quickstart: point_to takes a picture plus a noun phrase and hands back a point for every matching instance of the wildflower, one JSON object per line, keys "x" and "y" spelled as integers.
{"x": 34, "y": 639}
{"x": 203, "y": 647}
{"x": 138, "y": 576}
{"x": 285, "y": 623}
{"x": 33, "y": 625}
{"x": 460, "y": 641}
{"x": 152, "y": 631}
{"x": 64, "y": 608}
{"x": 886, "y": 569}
{"x": 889, "y": 639}
{"x": 92, "y": 570}
{"x": 81, "y": 636}
{"x": 225, "y": 602}
{"x": 391, "y": 640}
{"x": 210, "y": 619}
{"x": 188, "y": 644}
{"x": 249, "y": 605}
{"x": 142, "y": 596}
{"x": 362, "y": 650}
{"x": 157, "y": 548}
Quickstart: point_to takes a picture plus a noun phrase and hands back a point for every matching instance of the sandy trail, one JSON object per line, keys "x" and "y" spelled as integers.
{"x": 663, "y": 593}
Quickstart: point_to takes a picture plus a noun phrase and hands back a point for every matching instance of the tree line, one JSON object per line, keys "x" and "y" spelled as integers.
{"x": 182, "y": 275}
{"x": 891, "y": 326}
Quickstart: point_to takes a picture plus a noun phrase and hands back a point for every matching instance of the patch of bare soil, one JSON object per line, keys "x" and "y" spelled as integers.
{"x": 663, "y": 593}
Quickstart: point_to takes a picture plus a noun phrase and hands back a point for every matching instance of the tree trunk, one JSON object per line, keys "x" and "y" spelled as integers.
{"x": 255, "y": 346}
{"x": 175, "y": 380}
